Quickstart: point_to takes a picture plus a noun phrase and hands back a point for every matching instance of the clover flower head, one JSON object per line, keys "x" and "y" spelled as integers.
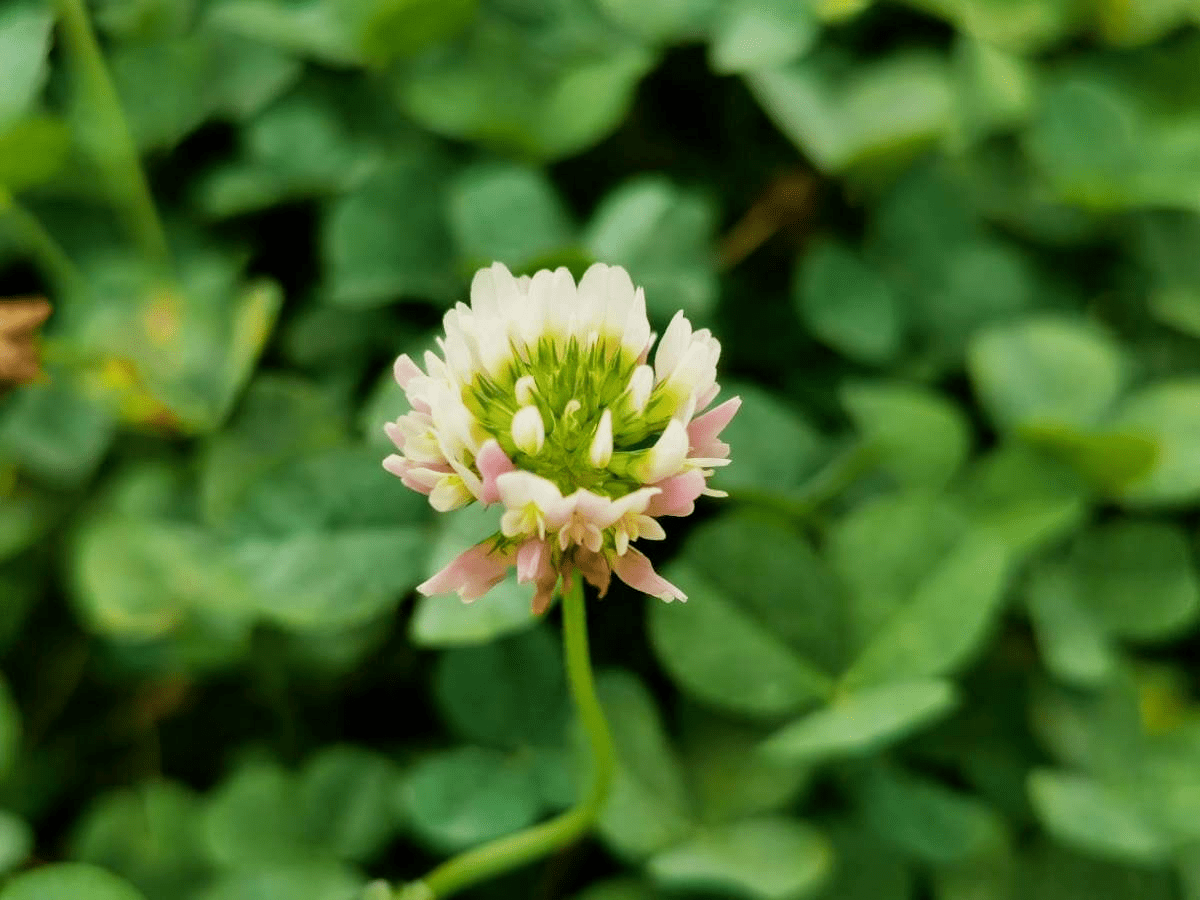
{"x": 544, "y": 400}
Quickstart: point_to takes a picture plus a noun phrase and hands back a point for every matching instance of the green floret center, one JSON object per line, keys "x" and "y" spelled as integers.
{"x": 595, "y": 377}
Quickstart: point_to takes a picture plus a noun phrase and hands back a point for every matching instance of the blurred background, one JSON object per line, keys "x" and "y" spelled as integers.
{"x": 941, "y": 642}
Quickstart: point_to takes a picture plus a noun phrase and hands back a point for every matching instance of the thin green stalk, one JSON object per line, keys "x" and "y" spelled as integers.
{"x": 119, "y": 154}
{"x": 40, "y": 244}
{"x": 525, "y": 846}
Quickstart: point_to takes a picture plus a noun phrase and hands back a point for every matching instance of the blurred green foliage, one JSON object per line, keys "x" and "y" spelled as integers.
{"x": 941, "y": 638}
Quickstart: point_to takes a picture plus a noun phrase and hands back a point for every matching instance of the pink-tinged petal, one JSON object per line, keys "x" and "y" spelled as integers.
{"x": 392, "y": 430}
{"x": 492, "y": 462}
{"x": 405, "y": 370}
{"x": 635, "y": 570}
{"x": 533, "y": 561}
{"x": 704, "y": 430}
{"x": 472, "y": 573}
{"x": 678, "y": 494}
{"x": 415, "y": 476}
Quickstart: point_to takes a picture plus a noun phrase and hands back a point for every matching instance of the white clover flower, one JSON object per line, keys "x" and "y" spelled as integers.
{"x": 544, "y": 401}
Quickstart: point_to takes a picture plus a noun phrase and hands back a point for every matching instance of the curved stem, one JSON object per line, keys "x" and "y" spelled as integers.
{"x": 120, "y": 157}
{"x": 525, "y": 846}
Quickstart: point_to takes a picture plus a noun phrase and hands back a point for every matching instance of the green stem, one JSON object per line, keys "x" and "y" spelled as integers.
{"x": 525, "y": 846}
{"x": 118, "y": 153}
{"x": 40, "y": 244}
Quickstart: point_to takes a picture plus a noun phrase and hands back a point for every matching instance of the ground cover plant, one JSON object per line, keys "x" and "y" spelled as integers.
{"x": 940, "y": 639}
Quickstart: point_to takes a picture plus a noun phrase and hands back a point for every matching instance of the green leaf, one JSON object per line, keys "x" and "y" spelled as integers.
{"x": 508, "y": 693}
{"x": 724, "y": 655}
{"x": 760, "y": 34}
{"x": 1023, "y": 497}
{"x": 1088, "y": 141}
{"x": 1138, "y": 578}
{"x": 294, "y": 881}
{"x": 444, "y": 620}
{"x": 926, "y": 819}
{"x": 883, "y": 549}
{"x": 488, "y": 88}
{"x": 388, "y": 238}
{"x": 139, "y": 578}
{"x": 168, "y": 356}
{"x": 872, "y": 114}
{"x": 648, "y": 807}
{"x": 668, "y": 21}
{"x": 864, "y": 721}
{"x": 16, "y": 841}
{"x": 484, "y": 202}
{"x": 463, "y": 797}
{"x": 729, "y": 777}
{"x": 1168, "y": 414}
{"x": 1071, "y": 639}
{"x": 1046, "y": 371}
{"x": 847, "y": 304}
{"x": 150, "y": 834}
{"x": 55, "y": 432}
{"x": 314, "y": 28}
{"x": 24, "y": 47}
{"x": 769, "y": 858}
{"x": 767, "y": 622}
{"x": 251, "y": 819}
{"x": 32, "y": 151}
{"x": 1163, "y": 243}
{"x": 922, "y": 438}
{"x": 344, "y": 795}
{"x": 388, "y": 29}
{"x": 1088, "y": 815}
{"x": 296, "y": 147}
{"x": 54, "y": 882}
{"x": 1110, "y": 461}
{"x": 944, "y": 620}
{"x": 664, "y": 235}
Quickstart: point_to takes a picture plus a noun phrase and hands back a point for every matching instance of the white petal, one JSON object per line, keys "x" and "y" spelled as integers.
{"x": 667, "y": 456}
{"x": 519, "y": 489}
{"x": 524, "y": 389}
{"x": 650, "y": 529}
{"x": 641, "y": 383}
{"x": 636, "y": 335}
{"x": 601, "y": 450}
{"x": 674, "y": 342}
{"x": 591, "y": 300}
{"x": 619, "y": 300}
{"x": 449, "y": 493}
{"x": 483, "y": 293}
{"x": 561, "y": 298}
{"x": 528, "y": 430}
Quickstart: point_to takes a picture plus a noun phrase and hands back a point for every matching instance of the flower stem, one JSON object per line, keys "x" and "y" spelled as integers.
{"x": 525, "y": 846}
{"x": 118, "y": 155}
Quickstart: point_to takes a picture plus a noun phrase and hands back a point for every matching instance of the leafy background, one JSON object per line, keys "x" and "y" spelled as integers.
{"x": 941, "y": 639}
